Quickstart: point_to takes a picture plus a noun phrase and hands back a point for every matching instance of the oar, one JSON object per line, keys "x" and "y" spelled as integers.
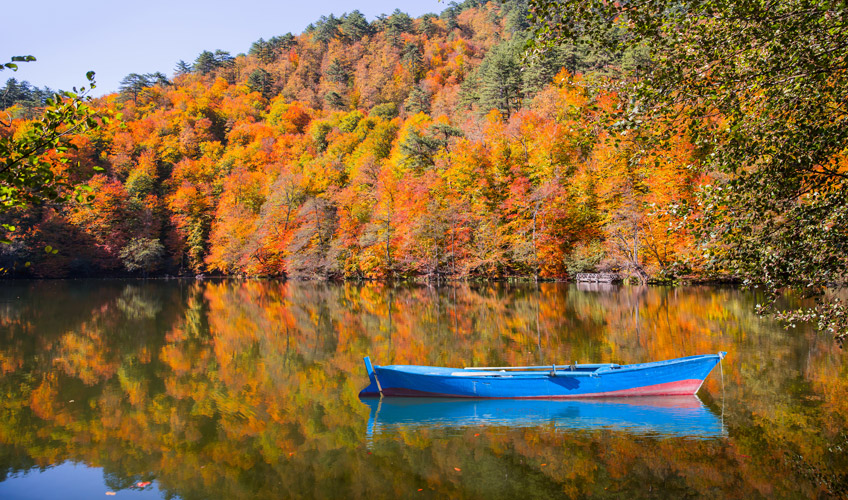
{"x": 541, "y": 367}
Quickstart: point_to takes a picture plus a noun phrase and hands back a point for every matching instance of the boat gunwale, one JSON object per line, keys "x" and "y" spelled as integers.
{"x": 542, "y": 374}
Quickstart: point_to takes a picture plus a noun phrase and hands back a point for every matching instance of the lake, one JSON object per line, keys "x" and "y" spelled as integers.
{"x": 248, "y": 389}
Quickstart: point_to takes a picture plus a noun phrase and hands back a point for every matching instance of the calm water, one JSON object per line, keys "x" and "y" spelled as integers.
{"x": 248, "y": 389}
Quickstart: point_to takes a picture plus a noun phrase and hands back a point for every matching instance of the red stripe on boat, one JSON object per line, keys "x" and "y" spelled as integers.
{"x": 679, "y": 388}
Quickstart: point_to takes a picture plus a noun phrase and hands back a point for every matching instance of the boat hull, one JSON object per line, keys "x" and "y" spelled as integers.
{"x": 682, "y": 376}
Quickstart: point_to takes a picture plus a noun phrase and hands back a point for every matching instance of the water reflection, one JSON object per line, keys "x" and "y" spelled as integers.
{"x": 73, "y": 481}
{"x": 670, "y": 416}
{"x": 248, "y": 389}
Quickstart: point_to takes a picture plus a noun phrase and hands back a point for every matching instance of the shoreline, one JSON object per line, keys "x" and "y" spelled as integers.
{"x": 420, "y": 280}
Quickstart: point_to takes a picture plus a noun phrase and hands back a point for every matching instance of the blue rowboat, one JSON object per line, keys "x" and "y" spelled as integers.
{"x": 673, "y": 377}
{"x": 679, "y": 416}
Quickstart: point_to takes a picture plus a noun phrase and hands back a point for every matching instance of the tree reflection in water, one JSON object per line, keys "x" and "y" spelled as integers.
{"x": 248, "y": 389}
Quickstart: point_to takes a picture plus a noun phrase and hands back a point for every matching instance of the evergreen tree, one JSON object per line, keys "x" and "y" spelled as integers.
{"x": 354, "y": 26}
{"x": 325, "y": 29}
{"x": 417, "y": 102}
{"x": 445, "y": 131}
{"x": 419, "y": 150}
{"x": 261, "y": 50}
{"x": 261, "y": 81}
{"x": 159, "y": 79}
{"x": 205, "y": 63}
{"x": 132, "y": 85}
{"x": 397, "y": 24}
{"x": 469, "y": 91}
{"x": 223, "y": 59}
{"x": 338, "y": 72}
{"x": 501, "y": 85}
{"x": 182, "y": 68}
{"x": 386, "y": 111}
{"x": 413, "y": 61}
{"x": 28, "y": 98}
{"x": 449, "y": 17}
{"x": 516, "y": 15}
{"x": 282, "y": 42}
{"x": 14, "y": 92}
{"x": 539, "y": 71}
{"x": 426, "y": 26}
{"x": 22, "y": 94}
{"x": 268, "y": 51}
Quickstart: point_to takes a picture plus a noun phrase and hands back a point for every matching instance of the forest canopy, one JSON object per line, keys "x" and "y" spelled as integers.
{"x": 396, "y": 148}
{"x": 658, "y": 139}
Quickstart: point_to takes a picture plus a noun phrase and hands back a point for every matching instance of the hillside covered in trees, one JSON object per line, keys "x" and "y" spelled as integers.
{"x": 396, "y": 148}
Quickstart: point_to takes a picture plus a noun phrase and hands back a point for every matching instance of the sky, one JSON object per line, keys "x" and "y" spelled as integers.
{"x": 114, "y": 38}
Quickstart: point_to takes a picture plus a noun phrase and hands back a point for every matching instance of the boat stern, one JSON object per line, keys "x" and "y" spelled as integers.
{"x": 373, "y": 389}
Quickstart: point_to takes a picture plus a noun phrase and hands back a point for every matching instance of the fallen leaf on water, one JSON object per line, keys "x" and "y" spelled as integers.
{"x": 475, "y": 435}
{"x": 544, "y": 465}
{"x": 142, "y": 484}
{"x": 110, "y": 493}
{"x": 457, "y": 469}
{"x": 420, "y": 489}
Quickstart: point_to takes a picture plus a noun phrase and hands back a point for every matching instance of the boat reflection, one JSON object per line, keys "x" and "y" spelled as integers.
{"x": 677, "y": 416}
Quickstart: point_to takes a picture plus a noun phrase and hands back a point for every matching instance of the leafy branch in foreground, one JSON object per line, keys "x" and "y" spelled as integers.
{"x": 27, "y": 175}
{"x": 762, "y": 87}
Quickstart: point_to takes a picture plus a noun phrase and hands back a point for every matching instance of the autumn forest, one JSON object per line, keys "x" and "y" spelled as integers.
{"x": 424, "y": 191}
{"x": 436, "y": 147}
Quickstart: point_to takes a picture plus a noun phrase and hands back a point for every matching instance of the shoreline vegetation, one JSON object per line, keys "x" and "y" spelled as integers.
{"x": 417, "y": 280}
